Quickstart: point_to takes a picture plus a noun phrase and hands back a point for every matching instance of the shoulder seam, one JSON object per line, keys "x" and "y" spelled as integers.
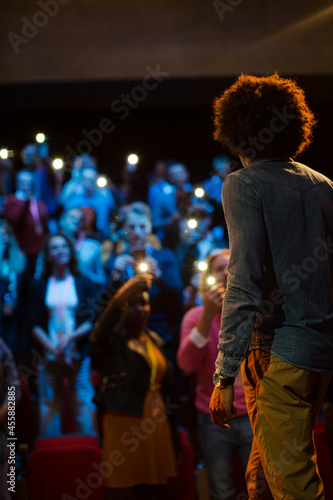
{"x": 236, "y": 174}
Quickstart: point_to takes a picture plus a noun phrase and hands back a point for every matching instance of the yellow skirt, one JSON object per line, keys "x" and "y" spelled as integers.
{"x": 137, "y": 450}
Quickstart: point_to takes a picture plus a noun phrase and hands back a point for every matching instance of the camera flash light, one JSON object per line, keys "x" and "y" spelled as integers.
{"x": 199, "y": 192}
{"x": 40, "y": 137}
{"x": 192, "y": 223}
{"x": 143, "y": 267}
{"x": 101, "y": 182}
{"x": 202, "y": 266}
{"x": 133, "y": 159}
{"x": 58, "y": 163}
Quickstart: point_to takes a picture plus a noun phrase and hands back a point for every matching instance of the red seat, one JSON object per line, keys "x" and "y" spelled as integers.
{"x": 65, "y": 468}
{"x": 70, "y": 441}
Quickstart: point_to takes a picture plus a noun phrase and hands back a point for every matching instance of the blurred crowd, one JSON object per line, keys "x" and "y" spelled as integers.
{"x": 163, "y": 222}
{"x": 85, "y": 258}
{"x": 71, "y": 242}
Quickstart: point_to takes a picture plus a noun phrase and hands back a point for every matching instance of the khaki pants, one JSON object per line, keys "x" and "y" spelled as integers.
{"x": 283, "y": 403}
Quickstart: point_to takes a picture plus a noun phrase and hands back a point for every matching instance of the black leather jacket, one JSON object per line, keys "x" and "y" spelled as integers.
{"x": 125, "y": 373}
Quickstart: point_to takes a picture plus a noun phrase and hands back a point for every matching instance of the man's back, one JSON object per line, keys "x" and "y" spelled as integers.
{"x": 277, "y": 315}
{"x": 287, "y": 211}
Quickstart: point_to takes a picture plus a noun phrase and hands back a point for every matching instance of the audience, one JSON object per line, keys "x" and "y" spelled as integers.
{"x": 10, "y": 391}
{"x": 213, "y": 184}
{"x": 73, "y": 185}
{"x": 12, "y": 264}
{"x": 27, "y": 216}
{"x": 7, "y": 177}
{"x": 135, "y": 390}
{"x": 198, "y": 240}
{"x": 213, "y": 188}
{"x": 36, "y": 159}
{"x": 165, "y": 292}
{"x": 115, "y": 238}
{"x": 29, "y": 221}
{"x": 88, "y": 250}
{"x": 61, "y": 322}
{"x": 89, "y": 194}
{"x": 157, "y": 182}
{"x": 90, "y": 224}
{"x": 197, "y": 353}
{"x": 165, "y": 213}
{"x": 132, "y": 186}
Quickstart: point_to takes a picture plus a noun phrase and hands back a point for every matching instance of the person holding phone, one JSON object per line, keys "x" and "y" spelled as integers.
{"x": 135, "y": 392}
{"x": 166, "y": 291}
{"x": 196, "y": 354}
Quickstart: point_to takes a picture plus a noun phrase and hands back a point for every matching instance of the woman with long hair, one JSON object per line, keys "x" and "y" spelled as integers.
{"x": 88, "y": 250}
{"x": 61, "y": 322}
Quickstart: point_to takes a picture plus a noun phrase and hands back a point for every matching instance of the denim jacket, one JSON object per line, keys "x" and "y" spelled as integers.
{"x": 279, "y": 296}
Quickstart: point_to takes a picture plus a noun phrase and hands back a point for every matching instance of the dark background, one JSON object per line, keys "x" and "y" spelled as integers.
{"x": 65, "y": 77}
{"x": 175, "y": 121}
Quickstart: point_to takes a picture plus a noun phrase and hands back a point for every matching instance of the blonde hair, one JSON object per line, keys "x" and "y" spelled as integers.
{"x": 210, "y": 261}
{"x": 138, "y": 208}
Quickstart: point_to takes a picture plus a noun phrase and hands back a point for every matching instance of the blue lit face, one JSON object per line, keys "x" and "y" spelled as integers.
{"x": 58, "y": 251}
{"x": 137, "y": 228}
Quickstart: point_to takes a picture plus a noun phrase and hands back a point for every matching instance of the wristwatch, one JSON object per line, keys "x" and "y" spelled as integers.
{"x": 222, "y": 381}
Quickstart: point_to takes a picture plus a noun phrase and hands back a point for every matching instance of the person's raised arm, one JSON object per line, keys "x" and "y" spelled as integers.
{"x": 102, "y": 333}
{"x": 195, "y": 327}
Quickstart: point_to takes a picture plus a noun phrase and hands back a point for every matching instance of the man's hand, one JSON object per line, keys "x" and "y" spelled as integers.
{"x": 221, "y": 406}
{"x": 122, "y": 261}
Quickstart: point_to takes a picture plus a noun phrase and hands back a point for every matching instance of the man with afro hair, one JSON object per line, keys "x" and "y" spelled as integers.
{"x": 277, "y": 315}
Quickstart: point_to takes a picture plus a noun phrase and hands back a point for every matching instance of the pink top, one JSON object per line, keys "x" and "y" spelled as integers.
{"x": 202, "y": 361}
